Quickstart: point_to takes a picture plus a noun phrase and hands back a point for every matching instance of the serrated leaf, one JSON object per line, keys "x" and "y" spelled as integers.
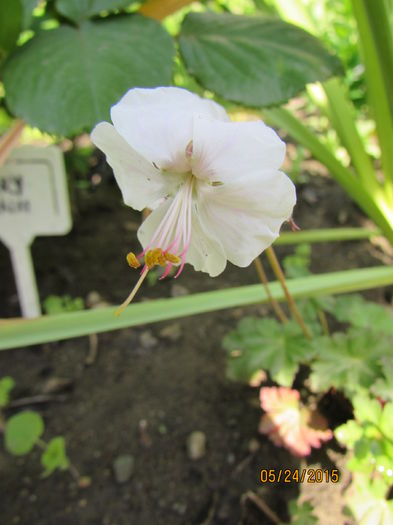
{"x": 386, "y": 420}
{"x": 348, "y": 433}
{"x": 6, "y": 385}
{"x": 367, "y": 410}
{"x": 55, "y": 456}
{"x": 264, "y": 344}
{"x": 297, "y": 265}
{"x": 22, "y": 432}
{"x": 11, "y": 17}
{"x": 368, "y": 503}
{"x": 302, "y": 514}
{"x": 364, "y": 314}
{"x": 383, "y": 387}
{"x": 79, "y": 10}
{"x": 348, "y": 361}
{"x": 65, "y": 80}
{"x": 256, "y": 61}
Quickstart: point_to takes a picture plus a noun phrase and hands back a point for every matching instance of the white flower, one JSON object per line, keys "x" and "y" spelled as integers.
{"x": 214, "y": 185}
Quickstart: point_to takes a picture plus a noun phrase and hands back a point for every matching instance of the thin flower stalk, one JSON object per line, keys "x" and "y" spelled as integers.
{"x": 264, "y": 280}
{"x": 291, "y": 303}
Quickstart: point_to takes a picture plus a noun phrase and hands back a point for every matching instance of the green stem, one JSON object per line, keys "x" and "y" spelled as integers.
{"x": 327, "y": 235}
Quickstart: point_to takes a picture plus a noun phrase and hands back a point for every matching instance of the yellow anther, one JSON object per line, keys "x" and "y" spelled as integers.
{"x": 150, "y": 259}
{"x": 132, "y": 260}
{"x": 172, "y": 258}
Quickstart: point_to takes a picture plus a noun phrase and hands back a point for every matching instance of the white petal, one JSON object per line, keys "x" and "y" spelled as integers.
{"x": 246, "y": 216}
{"x": 158, "y": 123}
{"x": 205, "y": 253}
{"x": 140, "y": 182}
{"x": 229, "y": 151}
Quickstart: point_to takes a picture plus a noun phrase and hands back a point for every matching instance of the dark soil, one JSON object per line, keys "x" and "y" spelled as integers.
{"x": 147, "y": 390}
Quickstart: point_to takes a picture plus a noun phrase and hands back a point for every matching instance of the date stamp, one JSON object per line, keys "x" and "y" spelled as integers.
{"x": 305, "y": 475}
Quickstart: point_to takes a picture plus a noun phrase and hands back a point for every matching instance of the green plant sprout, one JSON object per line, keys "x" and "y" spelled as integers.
{"x": 55, "y": 304}
{"x": 23, "y": 431}
{"x": 301, "y": 513}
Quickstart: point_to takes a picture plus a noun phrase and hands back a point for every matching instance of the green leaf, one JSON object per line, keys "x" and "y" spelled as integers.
{"x": 367, "y": 409}
{"x": 386, "y": 422}
{"x": 368, "y": 504}
{"x": 55, "y": 304}
{"x": 55, "y": 456}
{"x": 348, "y": 361}
{"x": 297, "y": 265}
{"x": 348, "y": 433}
{"x": 6, "y": 385}
{"x": 66, "y": 79}
{"x": 264, "y": 344}
{"x": 79, "y": 10}
{"x": 383, "y": 387}
{"x": 28, "y": 8}
{"x": 302, "y": 514}
{"x": 364, "y": 314}
{"x": 252, "y": 60}
{"x": 11, "y": 14}
{"x": 22, "y": 432}
{"x": 18, "y": 333}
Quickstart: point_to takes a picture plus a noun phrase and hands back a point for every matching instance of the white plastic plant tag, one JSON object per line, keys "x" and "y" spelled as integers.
{"x": 33, "y": 201}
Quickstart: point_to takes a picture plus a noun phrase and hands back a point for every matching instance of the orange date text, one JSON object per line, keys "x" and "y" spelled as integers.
{"x": 305, "y": 475}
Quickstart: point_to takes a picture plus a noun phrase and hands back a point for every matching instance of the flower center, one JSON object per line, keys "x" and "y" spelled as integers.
{"x": 171, "y": 240}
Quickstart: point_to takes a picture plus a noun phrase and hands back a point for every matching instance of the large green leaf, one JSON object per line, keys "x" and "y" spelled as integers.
{"x": 349, "y": 361}
{"x": 364, "y": 314}
{"x": 66, "y": 79}
{"x": 264, "y": 344}
{"x": 78, "y": 10}
{"x": 252, "y": 60}
{"x": 22, "y": 432}
{"x": 11, "y": 16}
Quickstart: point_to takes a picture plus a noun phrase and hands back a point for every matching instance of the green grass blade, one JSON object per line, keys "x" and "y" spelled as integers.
{"x": 342, "y": 116}
{"x": 376, "y": 39}
{"x": 21, "y": 333}
{"x": 372, "y": 202}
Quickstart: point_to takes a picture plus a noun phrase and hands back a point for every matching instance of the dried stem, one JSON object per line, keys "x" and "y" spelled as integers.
{"x": 262, "y": 506}
{"x": 276, "y": 307}
{"x": 323, "y": 321}
{"x": 291, "y": 303}
{"x": 133, "y": 293}
{"x": 10, "y": 140}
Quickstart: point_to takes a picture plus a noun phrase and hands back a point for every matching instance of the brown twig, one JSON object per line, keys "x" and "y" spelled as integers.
{"x": 93, "y": 350}
{"x": 10, "y": 139}
{"x": 291, "y": 303}
{"x": 262, "y": 506}
{"x": 36, "y": 400}
{"x": 263, "y": 277}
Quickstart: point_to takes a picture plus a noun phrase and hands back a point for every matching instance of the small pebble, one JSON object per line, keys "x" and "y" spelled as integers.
{"x": 178, "y": 290}
{"x": 171, "y": 331}
{"x": 196, "y": 445}
{"x": 253, "y": 446}
{"x": 123, "y": 468}
{"x": 179, "y": 508}
{"x": 148, "y": 340}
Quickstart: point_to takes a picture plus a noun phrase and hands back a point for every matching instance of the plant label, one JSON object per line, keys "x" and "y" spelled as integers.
{"x": 33, "y": 201}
